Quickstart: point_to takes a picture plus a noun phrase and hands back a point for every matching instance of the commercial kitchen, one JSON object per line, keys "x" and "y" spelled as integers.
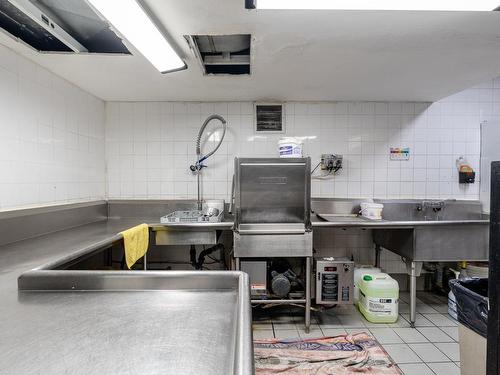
{"x": 249, "y": 187}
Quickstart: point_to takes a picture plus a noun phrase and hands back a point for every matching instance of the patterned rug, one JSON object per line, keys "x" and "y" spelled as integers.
{"x": 345, "y": 354}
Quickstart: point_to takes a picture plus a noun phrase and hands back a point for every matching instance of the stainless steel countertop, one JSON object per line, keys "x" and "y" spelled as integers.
{"x": 22, "y": 256}
{"x": 111, "y": 332}
{"x": 20, "y": 313}
{"x": 338, "y": 221}
{"x": 149, "y": 332}
{"x": 18, "y": 257}
{"x": 17, "y": 312}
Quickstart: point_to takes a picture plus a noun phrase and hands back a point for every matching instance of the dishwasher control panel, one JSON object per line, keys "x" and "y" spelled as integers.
{"x": 334, "y": 281}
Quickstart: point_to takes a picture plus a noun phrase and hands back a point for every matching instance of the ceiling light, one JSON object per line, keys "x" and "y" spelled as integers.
{"x": 437, "y": 5}
{"x": 132, "y": 22}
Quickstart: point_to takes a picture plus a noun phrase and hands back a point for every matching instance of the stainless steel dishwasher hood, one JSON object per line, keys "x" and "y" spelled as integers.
{"x": 272, "y": 207}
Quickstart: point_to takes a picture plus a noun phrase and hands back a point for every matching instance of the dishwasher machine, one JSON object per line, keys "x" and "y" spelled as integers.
{"x": 272, "y": 209}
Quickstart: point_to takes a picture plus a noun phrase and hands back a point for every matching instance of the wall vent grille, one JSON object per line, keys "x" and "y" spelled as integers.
{"x": 269, "y": 117}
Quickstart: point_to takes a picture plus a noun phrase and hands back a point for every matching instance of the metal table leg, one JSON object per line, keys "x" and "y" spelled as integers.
{"x": 413, "y": 269}
{"x": 145, "y": 262}
{"x": 413, "y": 294}
{"x": 237, "y": 264}
{"x": 377, "y": 255}
{"x": 308, "y": 294}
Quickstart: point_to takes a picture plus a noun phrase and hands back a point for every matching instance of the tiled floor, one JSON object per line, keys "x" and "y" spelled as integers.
{"x": 430, "y": 348}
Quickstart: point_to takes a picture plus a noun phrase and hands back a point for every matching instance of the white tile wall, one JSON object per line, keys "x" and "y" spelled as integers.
{"x": 51, "y": 137}
{"x": 151, "y": 145}
{"x": 52, "y": 147}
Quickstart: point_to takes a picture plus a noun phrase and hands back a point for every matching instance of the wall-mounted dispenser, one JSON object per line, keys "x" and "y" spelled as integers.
{"x": 331, "y": 162}
{"x": 466, "y": 174}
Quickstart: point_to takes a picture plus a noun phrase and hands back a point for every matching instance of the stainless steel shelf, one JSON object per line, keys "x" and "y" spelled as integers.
{"x": 277, "y": 301}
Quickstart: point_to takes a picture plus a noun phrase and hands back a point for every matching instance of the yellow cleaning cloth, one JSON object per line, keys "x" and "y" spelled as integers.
{"x": 136, "y": 241}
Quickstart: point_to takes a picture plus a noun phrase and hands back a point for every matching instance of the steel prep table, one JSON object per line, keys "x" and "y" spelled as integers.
{"x": 152, "y": 322}
{"x": 107, "y": 322}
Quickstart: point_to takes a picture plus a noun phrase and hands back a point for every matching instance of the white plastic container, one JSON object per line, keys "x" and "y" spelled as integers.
{"x": 379, "y": 298}
{"x": 372, "y": 210}
{"x": 290, "y": 147}
{"x": 477, "y": 270}
{"x": 359, "y": 271}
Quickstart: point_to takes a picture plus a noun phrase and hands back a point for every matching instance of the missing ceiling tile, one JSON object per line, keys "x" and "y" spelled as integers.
{"x": 222, "y": 54}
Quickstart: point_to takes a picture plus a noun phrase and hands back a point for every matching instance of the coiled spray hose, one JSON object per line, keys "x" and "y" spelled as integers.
{"x": 198, "y": 166}
{"x": 200, "y": 158}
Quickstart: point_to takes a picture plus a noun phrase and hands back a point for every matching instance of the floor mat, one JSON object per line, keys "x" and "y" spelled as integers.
{"x": 346, "y": 354}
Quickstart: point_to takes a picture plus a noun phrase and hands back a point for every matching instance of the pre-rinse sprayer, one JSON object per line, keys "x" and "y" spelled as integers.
{"x": 198, "y": 166}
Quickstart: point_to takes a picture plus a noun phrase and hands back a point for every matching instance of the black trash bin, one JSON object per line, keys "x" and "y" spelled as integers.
{"x": 472, "y": 310}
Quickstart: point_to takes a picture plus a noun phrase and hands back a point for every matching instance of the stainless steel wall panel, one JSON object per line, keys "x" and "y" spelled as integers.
{"x": 21, "y": 224}
{"x": 452, "y": 243}
{"x": 436, "y": 243}
{"x": 273, "y": 245}
{"x": 185, "y": 237}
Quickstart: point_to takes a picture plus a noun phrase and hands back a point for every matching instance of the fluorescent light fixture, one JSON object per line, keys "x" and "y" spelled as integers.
{"x": 437, "y": 5}
{"x": 130, "y": 20}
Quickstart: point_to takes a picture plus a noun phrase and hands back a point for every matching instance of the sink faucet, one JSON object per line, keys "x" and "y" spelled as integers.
{"x": 436, "y": 207}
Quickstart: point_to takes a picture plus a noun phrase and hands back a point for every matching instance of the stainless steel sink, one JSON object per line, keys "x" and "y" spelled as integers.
{"x": 460, "y": 234}
{"x": 456, "y": 241}
{"x": 212, "y": 213}
{"x": 419, "y": 231}
{"x": 398, "y": 210}
{"x": 431, "y": 210}
{"x": 342, "y": 218}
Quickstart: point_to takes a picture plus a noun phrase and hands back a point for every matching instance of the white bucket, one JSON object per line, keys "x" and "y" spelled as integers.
{"x": 372, "y": 210}
{"x": 290, "y": 148}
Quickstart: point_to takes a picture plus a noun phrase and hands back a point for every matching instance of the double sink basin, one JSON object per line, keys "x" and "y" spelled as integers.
{"x": 428, "y": 230}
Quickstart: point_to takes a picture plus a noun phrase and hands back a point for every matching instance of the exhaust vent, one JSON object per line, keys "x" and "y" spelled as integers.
{"x": 269, "y": 117}
{"x": 222, "y": 54}
{"x": 59, "y": 26}
{"x": 27, "y": 22}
